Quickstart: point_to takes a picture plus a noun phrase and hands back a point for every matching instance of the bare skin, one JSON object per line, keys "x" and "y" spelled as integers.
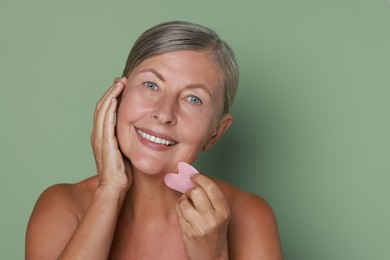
{"x": 252, "y": 230}
{"x": 126, "y": 211}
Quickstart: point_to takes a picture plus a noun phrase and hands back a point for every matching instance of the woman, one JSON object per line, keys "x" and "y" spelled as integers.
{"x": 171, "y": 103}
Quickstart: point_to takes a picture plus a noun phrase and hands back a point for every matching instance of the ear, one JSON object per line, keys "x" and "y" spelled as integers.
{"x": 222, "y": 126}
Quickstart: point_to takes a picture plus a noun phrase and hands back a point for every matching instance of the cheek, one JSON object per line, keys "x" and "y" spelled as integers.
{"x": 198, "y": 130}
{"x": 132, "y": 106}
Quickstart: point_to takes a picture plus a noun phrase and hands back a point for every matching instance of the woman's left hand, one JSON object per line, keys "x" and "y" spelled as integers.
{"x": 204, "y": 214}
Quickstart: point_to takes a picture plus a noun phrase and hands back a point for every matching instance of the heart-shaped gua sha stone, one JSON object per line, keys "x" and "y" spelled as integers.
{"x": 181, "y": 181}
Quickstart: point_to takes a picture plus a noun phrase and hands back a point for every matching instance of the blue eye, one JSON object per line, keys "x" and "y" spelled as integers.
{"x": 150, "y": 85}
{"x": 194, "y": 100}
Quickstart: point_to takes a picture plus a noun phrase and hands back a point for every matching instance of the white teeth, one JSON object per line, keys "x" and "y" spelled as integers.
{"x": 154, "y": 139}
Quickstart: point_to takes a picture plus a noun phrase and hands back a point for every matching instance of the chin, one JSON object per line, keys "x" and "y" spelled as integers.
{"x": 153, "y": 167}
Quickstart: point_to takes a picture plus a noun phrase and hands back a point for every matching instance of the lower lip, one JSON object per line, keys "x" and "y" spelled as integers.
{"x": 152, "y": 145}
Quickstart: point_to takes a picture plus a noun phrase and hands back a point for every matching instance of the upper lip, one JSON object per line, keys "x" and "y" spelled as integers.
{"x": 157, "y": 134}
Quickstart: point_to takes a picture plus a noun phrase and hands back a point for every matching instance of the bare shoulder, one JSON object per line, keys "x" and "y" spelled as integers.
{"x": 253, "y": 232}
{"x": 56, "y": 214}
{"x": 244, "y": 202}
{"x": 72, "y": 197}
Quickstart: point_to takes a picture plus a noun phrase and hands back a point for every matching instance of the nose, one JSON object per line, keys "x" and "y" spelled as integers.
{"x": 165, "y": 111}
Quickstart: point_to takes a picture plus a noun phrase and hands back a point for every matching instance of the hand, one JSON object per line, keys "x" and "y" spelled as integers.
{"x": 204, "y": 214}
{"x": 109, "y": 160}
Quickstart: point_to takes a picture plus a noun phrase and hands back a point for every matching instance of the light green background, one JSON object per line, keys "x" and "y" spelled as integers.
{"x": 311, "y": 131}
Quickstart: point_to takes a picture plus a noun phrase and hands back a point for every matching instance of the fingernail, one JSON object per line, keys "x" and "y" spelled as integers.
{"x": 123, "y": 79}
{"x": 112, "y": 100}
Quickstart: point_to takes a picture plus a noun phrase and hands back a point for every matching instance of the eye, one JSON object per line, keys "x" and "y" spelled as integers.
{"x": 150, "y": 85}
{"x": 194, "y": 100}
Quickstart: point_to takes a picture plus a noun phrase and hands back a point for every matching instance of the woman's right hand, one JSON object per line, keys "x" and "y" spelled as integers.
{"x": 109, "y": 160}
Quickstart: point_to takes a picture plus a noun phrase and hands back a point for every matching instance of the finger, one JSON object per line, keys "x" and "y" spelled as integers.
{"x": 109, "y": 120}
{"x": 103, "y": 97}
{"x": 187, "y": 210}
{"x": 99, "y": 115}
{"x": 116, "y": 80}
{"x": 117, "y": 83}
{"x": 215, "y": 195}
{"x": 110, "y": 144}
{"x": 200, "y": 199}
{"x": 100, "y": 112}
{"x": 99, "y": 138}
{"x": 184, "y": 224}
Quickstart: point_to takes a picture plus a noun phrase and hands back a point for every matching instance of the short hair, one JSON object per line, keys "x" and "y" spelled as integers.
{"x": 179, "y": 35}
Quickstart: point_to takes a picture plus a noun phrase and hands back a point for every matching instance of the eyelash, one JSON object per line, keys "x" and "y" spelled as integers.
{"x": 192, "y": 99}
{"x": 150, "y": 85}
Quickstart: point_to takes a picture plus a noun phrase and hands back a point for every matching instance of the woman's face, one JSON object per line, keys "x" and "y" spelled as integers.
{"x": 170, "y": 111}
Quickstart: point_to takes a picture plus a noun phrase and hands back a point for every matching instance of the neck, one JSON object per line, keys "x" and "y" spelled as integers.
{"x": 149, "y": 198}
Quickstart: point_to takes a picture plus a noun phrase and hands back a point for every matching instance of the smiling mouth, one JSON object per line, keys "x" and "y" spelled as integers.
{"x": 155, "y": 139}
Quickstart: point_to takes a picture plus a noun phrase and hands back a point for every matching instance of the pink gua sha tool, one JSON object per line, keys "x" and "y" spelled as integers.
{"x": 181, "y": 181}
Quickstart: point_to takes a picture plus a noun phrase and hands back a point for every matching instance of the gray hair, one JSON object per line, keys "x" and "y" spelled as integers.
{"x": 179, "y": 35}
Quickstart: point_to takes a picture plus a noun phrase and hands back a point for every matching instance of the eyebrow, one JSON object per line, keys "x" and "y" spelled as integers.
{"x": 155, "y": 72}
{"x": 200, "y": 86}
{"x": 190, "y": 86}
